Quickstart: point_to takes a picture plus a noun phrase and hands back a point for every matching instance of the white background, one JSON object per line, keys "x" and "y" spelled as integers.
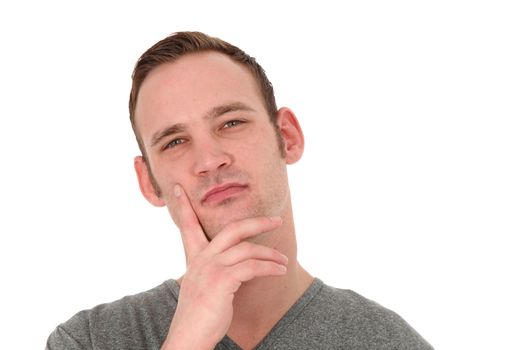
{"x": 410, "y": 191}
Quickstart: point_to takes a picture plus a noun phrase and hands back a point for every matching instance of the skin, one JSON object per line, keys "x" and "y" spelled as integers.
{"x": 206, "y": 130}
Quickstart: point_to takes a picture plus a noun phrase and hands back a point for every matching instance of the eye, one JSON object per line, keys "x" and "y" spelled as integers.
{"x": 174, "y": 143}
{"x": 232, "y": 124}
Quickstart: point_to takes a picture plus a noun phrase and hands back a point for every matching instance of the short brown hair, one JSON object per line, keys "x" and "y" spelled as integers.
{"x": 182, "y": 43}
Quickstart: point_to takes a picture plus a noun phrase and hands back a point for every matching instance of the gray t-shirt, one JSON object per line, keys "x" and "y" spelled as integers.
{"x": 323, "y": 318}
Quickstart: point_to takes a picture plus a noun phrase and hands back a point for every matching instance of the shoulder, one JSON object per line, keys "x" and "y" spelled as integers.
{"x": 360, "y": 321}
{"x": 117, "y": 322}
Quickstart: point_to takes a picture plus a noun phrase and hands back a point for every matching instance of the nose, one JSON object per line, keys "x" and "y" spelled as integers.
{"x": 209, "y": 157}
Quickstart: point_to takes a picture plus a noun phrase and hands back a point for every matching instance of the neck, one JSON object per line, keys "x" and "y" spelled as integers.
{"x": 260, "y": 303}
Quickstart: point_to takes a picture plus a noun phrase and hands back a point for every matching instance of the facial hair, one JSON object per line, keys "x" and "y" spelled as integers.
{"x": 212, "y": 221}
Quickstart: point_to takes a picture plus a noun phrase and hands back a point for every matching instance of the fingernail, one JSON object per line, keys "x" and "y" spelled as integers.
{"x": 177, "y": 190}
{"x": 276, "y": 218}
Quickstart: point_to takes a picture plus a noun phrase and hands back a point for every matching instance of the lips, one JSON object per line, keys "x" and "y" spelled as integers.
{"x": 222, "y": 192}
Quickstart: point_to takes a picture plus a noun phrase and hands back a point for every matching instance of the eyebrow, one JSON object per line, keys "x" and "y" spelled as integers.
{"x": 213, "y": 113}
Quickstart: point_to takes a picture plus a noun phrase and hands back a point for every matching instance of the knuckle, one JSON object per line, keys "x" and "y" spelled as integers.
{"x": 227, "y": 276}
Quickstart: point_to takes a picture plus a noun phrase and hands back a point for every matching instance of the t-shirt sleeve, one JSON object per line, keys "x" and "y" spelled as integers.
{"x": 72, "y": 335}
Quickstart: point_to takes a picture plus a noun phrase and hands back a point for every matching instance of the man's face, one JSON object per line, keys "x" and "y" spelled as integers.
{"x": 204, "y": 126}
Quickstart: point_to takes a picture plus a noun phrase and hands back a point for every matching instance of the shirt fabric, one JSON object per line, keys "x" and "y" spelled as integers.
{"x": 322, "y": 318}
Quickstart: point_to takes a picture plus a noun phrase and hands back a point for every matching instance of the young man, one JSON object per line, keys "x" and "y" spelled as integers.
{"x": 214, "y": 151}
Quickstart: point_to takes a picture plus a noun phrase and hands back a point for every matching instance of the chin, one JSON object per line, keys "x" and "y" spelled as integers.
{"x": 229, "y": 211}
{"x": 214, "y": 225}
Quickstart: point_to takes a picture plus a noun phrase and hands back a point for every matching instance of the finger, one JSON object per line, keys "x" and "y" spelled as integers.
{"x": 246, "y": 250}
{"x": 250, "y": 269}
{"x": 193, "y": 237}
{"x": 235, "y": 232}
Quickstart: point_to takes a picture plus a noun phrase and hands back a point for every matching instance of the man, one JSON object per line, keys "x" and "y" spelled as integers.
{"x": 214, "y": 151}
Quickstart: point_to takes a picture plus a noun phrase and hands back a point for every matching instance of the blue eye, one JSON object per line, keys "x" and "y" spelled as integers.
{"x": 174, "y": 143}
{"x": 232, "y": 123}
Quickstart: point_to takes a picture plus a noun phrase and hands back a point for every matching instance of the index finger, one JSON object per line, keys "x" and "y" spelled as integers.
{"x": 193, "y": 237}
{"x": 237, "y": 231}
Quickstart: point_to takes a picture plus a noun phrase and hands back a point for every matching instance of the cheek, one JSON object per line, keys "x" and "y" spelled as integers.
{"x": 263, "y": 142}
{"x": 166, "y": 177}
{"x": 270, "y": 167}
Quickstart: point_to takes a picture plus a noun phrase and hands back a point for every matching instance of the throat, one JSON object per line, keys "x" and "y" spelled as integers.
{"x": 248, "y": 332}
{"x": 260, "y": 305}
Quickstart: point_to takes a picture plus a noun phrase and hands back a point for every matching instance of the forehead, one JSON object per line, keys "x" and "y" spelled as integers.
{"x": 181, "y": 91}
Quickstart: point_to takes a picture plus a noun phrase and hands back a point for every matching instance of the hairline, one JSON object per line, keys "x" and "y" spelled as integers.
{"x": 173, "y": 60}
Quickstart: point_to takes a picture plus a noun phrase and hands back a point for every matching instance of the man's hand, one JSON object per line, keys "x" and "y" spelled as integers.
{"x": 215, "y": 271}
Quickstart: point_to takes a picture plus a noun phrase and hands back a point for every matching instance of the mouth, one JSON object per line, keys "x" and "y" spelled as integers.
{"x": 220, "y": 193}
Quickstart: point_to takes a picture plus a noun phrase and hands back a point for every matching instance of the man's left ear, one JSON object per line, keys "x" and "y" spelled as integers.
{"x": 291, "y": 134}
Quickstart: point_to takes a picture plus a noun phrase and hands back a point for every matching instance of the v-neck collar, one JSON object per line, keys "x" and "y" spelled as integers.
{"x": 228, "y": 344}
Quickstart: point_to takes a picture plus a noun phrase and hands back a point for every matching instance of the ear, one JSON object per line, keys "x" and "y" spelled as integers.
{"x": 145, "y": 183}
{"x": 291, "y": 134}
